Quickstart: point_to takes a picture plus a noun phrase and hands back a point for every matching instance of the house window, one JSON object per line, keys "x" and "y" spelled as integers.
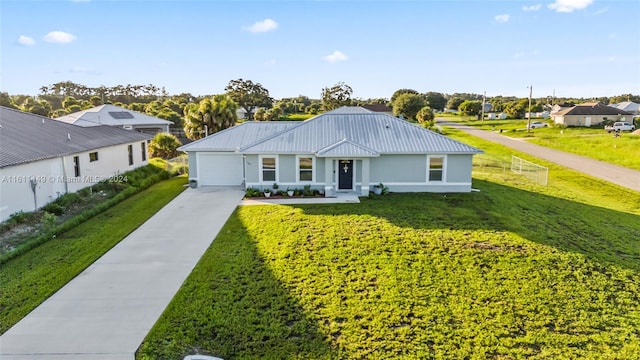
{"x": 93, "y": 156}
{"x": 305, "y": 168}
{"x": 76, "y": 166}
{"x": 143, "y": 150}
{"x": 130, "y": 151}
{"x": 268, "y": 169}
{"x": 436, "y": 168}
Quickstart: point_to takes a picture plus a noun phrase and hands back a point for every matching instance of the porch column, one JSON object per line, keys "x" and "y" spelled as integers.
{"x": 365, "y": 177}
{"x": 329, "y": 190}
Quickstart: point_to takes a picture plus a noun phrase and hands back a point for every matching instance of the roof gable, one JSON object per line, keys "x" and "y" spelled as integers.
{"x": 348, "y": 149}
{"x": 26, "y": 137}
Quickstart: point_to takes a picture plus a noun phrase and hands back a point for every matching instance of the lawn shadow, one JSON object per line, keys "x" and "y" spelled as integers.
{"x": 607, "y": 236}
{"x": 232, "y": 306}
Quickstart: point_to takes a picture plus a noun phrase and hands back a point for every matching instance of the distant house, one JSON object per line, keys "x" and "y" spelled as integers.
{"x": 381, "y": 108}
{"x": 628, "y": 106}
{"x": 41, "y": 158}
{"x": 539, "y": 114}
{"x": 560, "y": 107}
{"x": 490, "y": 116}
{"x": 348, "y": 149}
{"x": 115, "y": 116}
{"x": 589, "y": 114}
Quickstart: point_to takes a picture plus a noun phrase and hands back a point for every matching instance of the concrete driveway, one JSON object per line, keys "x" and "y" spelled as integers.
{"x": 618, "y": 175}
{"x": 107, "y": 310}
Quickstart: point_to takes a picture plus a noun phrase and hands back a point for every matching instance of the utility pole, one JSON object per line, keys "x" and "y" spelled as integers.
{"x": 529, "y": 113}
{"x": 484, "y": 96}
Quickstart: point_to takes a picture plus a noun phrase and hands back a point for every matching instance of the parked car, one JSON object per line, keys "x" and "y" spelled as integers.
{"x": 620, "y": 126}
{"x": 537, "y": 124}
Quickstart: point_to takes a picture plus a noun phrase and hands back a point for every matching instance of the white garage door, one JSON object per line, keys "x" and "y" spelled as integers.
{"x": 219, "y": 169}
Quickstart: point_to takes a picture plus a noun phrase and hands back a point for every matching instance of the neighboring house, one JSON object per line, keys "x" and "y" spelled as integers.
{"x": 540, "y": 114}
{"x": 589, "y": 114}
{"x": 115, "y": 116}
{"x": 381, "y": 108}
{"x": 41, "y": 159}
{"x": 241, "y": 113}
{"x": 560, "y": 107}
{"x": 628, "y": 106}
{"x": 349, "y": 149}
{"x": 493, "y": 116}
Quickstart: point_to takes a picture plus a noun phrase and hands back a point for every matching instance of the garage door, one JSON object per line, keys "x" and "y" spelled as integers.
{"x": 219, "y": 169}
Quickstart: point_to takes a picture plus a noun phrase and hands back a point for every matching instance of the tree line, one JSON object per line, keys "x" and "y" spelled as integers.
{"x": 198, "y": 116}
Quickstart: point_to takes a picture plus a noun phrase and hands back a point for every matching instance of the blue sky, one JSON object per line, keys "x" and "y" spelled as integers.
{"x": 581, "y": 48}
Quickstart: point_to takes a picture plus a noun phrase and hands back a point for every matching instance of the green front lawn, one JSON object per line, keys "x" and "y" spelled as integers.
{"x": 513, "y": 271}
{"x": 29, "y": 279}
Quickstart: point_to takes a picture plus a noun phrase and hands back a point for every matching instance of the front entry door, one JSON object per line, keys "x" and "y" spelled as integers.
{"x": 345, "y": 179}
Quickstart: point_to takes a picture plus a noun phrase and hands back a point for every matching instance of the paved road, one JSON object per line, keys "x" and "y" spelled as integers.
{"x": 107, "y": 310}
{"x": 613, "y": 173}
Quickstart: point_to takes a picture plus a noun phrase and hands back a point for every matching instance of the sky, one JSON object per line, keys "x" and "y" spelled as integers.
{"x": 573, "y": 48}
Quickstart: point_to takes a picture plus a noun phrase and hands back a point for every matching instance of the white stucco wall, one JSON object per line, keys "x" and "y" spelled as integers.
{"x": 56, "y": 176}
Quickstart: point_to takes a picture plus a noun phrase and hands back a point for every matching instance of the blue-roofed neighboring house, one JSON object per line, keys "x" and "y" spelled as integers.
{"x": 349, "y": 149}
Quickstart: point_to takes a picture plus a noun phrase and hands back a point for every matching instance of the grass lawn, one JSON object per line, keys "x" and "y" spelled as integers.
{"x": 513, "y": 271}
{"x": 29, "y": 279}
{"x": 594, "y": 143}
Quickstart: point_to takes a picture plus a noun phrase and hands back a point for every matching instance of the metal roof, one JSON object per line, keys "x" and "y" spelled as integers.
{"x": 346, "y": 148}
{"x": 234, "y": 138}
{"x": 111, "y": 115}
{"x": 347, "y": 131}
{"x": 26, "y": 137}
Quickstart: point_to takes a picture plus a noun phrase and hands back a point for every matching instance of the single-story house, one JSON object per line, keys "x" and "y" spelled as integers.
{"x": 589, "y": 114}
{"x": 349, "y": 149}
{"x": 41, "y": 158}
{"x": 560, "y": 107}
{"x": 112, "y": 115}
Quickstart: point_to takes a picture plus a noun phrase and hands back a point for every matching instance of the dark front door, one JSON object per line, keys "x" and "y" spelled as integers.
{"x": 345, "y": 179}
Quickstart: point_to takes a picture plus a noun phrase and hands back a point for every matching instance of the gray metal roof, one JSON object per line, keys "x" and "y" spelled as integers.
{"x": 236, "y": 137}
{"x": 108, "y": 115}
{"x": 379, "y": 132}
{"x": 347, "y": 131}
{"x": 26, "y": 137}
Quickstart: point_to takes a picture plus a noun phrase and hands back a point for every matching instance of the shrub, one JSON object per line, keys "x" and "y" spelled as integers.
{"x": 164, "y": 145}
{"x": 251, "y": 192}
{"x": 53, "y": 208}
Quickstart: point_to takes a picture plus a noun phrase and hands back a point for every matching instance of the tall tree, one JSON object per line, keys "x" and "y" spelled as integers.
{"x": 436, "y": 100}
{"x": 248, "y": 95}
{"x": 399, "y": 92}
{"x": 471, "y": 107}
{"x": 408, "y": 105}
{"x": 336, "y": 96}
{"x": 209, "y": 116}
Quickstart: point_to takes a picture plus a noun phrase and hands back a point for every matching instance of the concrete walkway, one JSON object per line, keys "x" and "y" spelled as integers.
{"x": 619, "y": 175}
{"x": 107, "y": 310}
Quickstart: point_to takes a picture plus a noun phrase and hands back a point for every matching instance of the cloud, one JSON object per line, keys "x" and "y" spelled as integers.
{"x": 535, "y": 7}
{"x": 25, "y": 40}
{"x": 262, "y": 26}
{"x": 59, "y": 37}
{"x": 502, "y": 18}
{"x": 336, "y": 57}
{"x": 601, "y": 11}
{"x": 568, "y": 6}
